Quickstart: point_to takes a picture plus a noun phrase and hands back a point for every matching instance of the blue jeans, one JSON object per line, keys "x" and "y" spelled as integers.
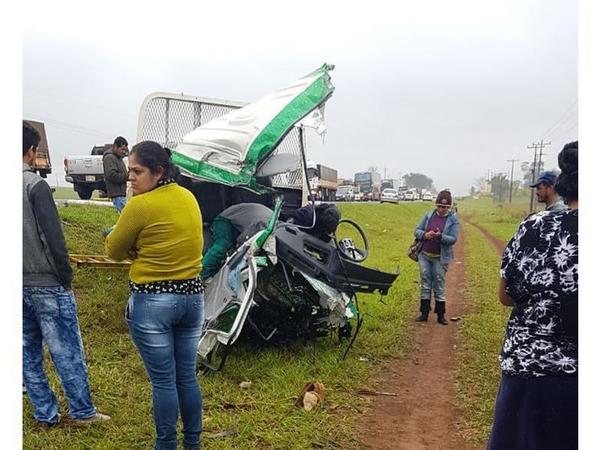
{"x": 433, "y": 277}
{"x": 119, "y": 203}
{"x": 50, "y": 316}
{"x": 166, "y": 330}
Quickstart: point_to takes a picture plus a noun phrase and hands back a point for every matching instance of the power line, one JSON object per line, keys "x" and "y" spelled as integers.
{"x": 558, "y": 137}
{"x": 71, "y": 127}
{"x": 564, "y": 115}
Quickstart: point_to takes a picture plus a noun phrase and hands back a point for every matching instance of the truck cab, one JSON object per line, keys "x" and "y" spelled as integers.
{"x": 345, "y": 193}
{"x": 42, "y": 164}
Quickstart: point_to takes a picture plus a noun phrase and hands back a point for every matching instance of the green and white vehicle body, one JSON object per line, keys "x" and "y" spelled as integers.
{"x": 229, "y": 158}
{"x": 232, "y": 149}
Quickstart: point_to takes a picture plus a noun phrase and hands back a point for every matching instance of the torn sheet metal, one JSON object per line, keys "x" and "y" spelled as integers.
{"x": 336, "y": 301}
{"x": 229, "y": 149}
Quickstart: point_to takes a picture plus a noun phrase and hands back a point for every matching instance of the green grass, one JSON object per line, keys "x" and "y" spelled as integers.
{"x": 264, "y": 416}
{"x": 68, "y": 193}
{"x": 62, "y": 192}
{"x": 481, "y": 336}
{"x": 500, "y": 219}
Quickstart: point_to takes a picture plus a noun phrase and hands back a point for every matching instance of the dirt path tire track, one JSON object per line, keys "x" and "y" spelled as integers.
{"x": 498, "y": 244}
{"x": 424, "y": 414}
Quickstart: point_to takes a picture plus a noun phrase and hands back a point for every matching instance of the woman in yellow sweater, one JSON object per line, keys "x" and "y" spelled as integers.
{"x": 160, "y": 229}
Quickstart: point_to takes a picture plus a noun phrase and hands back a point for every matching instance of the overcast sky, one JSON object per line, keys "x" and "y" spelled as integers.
{"x": 448, "y": 89}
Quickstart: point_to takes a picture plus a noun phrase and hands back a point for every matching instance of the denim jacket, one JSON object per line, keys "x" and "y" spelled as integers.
{"x": 449, "y": 235}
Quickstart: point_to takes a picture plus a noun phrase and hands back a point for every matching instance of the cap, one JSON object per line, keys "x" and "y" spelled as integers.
{"x": 548, "y": 178}
{"x": 444, "y": 198}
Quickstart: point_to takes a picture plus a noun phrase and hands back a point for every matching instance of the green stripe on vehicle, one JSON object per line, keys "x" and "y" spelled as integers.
{"x": 297, "y": 109}
{"x": 214, "y": 174}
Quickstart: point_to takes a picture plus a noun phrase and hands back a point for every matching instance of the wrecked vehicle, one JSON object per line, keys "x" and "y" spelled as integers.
{"x": 282, "y": 283}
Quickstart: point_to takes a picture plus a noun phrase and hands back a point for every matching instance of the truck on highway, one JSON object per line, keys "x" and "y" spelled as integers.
{"x": 42, "y": 164}
{"x": 323, "y": 181}
{"x": 369, "y": 184}
{"x": 390, "y": 183}
{"x": 87, "y": 172}
{"x": 345, "y": 193}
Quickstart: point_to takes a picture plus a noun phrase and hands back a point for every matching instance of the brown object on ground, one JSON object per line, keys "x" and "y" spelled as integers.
{"x": 424, "y": 414}
{"x": 314, "y": 387}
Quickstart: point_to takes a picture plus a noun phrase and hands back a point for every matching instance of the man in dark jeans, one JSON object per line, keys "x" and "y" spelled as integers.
{"x": 115, "y": 173}
{"x": 49, "y": 309}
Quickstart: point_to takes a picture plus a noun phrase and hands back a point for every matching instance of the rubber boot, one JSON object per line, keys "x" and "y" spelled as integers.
{"x": 440, "y": 309}
{"x": 425, "y": 308}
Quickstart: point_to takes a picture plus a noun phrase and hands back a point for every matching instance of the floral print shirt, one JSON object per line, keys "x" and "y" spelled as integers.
{"x": 540, "y": 267}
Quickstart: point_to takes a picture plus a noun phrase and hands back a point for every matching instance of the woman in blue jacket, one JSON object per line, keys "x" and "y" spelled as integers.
{"x": 438, "y": 232}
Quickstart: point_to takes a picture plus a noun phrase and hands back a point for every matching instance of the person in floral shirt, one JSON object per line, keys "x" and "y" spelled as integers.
{"x": 536, "y": 406}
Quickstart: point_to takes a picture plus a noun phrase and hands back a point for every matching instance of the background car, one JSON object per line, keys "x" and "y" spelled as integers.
{"x": 427, "y": 197}
{"x": 389, "y": 195}
{"x": 345, "y": 193}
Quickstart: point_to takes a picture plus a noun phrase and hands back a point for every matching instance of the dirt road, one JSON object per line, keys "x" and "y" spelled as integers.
{"x": 423, "y": 415}
{"x": 497, "y": 243}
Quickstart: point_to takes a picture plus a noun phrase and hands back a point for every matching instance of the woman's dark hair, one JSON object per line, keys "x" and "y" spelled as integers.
{"x": 154, "y": 156}
{"x": 31, "y": 137}
{"x": 566, "y": 185}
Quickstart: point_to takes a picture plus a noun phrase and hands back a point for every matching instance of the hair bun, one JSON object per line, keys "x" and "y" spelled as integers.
{"x": 568, "y": 159}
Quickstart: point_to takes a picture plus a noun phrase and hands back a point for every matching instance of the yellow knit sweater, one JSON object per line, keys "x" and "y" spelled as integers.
{"x": 164, "y": 228}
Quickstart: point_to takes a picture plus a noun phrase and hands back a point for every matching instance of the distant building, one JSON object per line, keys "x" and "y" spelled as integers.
{"x": 485, "y": 188}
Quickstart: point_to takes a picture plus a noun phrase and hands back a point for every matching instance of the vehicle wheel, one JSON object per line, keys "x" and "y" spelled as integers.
{"x": 85, "y": 194}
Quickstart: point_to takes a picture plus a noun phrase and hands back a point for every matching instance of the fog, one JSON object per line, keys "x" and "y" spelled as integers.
{"x": 448, "y": 89}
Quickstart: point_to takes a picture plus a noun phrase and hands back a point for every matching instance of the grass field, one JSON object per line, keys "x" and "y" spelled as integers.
{"x": 262, "y": 416}
{"x": 481, "y": 336}
{"x": 500, "y": 219}
{"x": 482, "y": 330}
{"x": 67, "y": 193}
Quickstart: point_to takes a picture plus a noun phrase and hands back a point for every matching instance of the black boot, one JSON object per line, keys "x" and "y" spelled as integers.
{"x": 425, "y": 308}
{"x": 440, "y": 309}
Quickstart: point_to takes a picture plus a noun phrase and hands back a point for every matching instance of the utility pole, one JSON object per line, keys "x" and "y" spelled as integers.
{"x": 534, "y": 169}
{"x": 534, "y": 147}
{"x": 512, "y": 166}
{"x": 501, "y": 181}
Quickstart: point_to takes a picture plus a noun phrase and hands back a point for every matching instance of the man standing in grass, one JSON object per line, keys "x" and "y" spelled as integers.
{"x": 49, "y": 310}
{"x": 115, "y": 173}
{"x": 545, "y": 192}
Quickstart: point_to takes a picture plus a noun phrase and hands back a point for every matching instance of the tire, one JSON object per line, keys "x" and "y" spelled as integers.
{"x": 84, "y": 193}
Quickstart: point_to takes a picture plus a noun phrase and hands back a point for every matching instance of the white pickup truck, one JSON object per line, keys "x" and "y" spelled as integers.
{"x": 87, "y": 172}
